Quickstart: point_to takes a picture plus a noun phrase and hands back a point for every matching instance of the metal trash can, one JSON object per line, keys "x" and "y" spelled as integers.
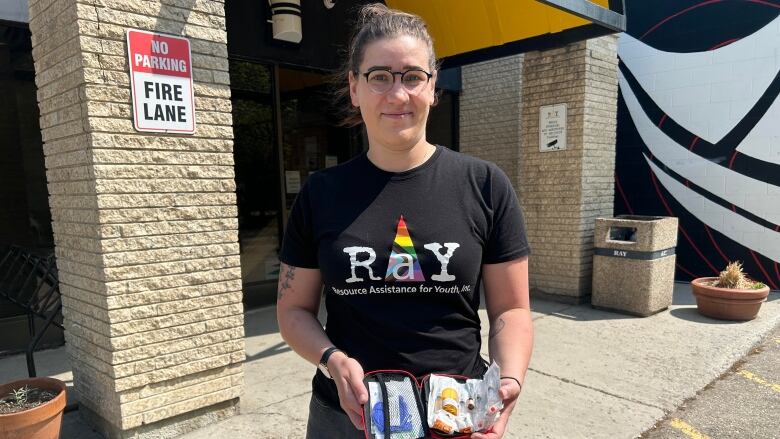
{"x": 633, "y": 263}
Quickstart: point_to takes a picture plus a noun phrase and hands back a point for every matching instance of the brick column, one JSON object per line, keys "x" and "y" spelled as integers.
{"x": 561, "y": 192}
{"x": 490, "y": 106}
{"x": 144, "y": 224}
{"x": 564, "y": 191}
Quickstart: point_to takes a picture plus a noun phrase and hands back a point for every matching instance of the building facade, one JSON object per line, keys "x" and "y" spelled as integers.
{"x": 162, "y": 241}
{"x": 698, "y": 137}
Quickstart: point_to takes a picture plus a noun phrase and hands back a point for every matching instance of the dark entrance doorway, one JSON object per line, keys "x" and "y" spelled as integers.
{"x": 284, "y": 130}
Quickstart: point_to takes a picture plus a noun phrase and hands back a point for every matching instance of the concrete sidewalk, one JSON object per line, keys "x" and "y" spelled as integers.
{"x": 594, "y": 374}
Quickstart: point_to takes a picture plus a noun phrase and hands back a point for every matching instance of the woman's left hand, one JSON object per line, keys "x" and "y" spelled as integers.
{"x": 509, "y": 391}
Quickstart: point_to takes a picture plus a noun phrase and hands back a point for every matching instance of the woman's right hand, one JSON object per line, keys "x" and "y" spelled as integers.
{"x": 348, "y": 375}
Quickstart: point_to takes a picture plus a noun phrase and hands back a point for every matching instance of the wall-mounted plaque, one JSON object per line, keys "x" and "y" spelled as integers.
{"x": 552, "y": 128}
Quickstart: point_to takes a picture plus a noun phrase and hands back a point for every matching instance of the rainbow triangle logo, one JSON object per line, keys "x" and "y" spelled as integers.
{"x": 403, "y": 265}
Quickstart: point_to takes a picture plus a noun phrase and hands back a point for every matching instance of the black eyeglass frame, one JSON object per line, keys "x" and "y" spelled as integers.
{"x": 427, "y": 74}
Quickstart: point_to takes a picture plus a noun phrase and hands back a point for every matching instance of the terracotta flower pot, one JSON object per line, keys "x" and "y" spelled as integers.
{"x": 41, "y": 422}
{"x": 727, "y": 303}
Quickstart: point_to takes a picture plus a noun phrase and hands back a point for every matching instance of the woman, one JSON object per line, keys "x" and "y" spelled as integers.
{"x": 400, "y": 238}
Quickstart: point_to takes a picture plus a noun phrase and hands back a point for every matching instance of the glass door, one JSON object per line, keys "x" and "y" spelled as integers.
{"x": 269, "y": 172}
{"x": 311, "y": 137}
{"x": 257, "y": 179}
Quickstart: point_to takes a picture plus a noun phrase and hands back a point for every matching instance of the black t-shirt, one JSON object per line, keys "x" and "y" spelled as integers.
{"x": 401, "y": 255}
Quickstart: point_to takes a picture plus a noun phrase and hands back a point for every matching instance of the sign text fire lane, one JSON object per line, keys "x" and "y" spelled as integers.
{"x": 161, "y": 82}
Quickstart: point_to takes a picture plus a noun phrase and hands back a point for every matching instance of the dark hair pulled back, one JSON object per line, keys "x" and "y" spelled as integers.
{"x": 375, "y": 22}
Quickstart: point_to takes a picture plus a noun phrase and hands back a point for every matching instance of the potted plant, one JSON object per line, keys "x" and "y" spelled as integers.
{"x": 730, "y": 296}
{"x": 32, "y": 408}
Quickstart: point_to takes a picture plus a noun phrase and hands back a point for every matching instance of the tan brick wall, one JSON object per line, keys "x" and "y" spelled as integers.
{"x": 490, "y": 106}
{"x": 144, "y": 225}
{"x": 599, "y": 138}
{"x": 561, "y": 192}
{"x": 564, "y": 191}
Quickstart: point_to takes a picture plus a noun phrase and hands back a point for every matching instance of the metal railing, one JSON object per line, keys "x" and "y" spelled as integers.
{"x": 28, "y": 279}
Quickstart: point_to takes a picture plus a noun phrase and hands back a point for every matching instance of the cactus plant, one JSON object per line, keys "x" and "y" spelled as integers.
{"x": 730, "y": 296}
{"x": 733, "y": 277}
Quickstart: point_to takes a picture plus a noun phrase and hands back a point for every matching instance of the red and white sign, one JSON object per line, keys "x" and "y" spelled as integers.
{"x": 161, "y": 81}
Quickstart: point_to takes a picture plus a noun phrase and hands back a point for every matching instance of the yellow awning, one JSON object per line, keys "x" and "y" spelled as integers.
{"x": 463, "y": 26}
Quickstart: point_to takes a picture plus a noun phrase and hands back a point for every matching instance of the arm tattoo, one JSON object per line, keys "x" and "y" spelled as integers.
{"x": 285, "y": 277}
{"x": 496, "y": 327}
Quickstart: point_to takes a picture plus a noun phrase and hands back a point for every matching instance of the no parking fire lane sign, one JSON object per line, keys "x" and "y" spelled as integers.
{"x": 161, "y": 82}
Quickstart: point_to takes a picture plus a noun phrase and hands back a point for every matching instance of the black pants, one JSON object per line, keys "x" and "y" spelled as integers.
{"x": 326, "y": 422}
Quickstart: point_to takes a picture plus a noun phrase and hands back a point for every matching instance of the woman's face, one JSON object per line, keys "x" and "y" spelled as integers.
{"x": 395, "y": 119}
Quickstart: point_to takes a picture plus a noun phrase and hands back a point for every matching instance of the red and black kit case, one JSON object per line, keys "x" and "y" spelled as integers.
{"x": 400, "y": 406}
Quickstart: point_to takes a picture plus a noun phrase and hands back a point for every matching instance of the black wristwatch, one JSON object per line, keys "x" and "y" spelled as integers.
{"x": 323, "y": 366}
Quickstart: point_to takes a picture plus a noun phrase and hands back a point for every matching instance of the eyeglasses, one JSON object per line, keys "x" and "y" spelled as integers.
{"x": 382, "y": 80}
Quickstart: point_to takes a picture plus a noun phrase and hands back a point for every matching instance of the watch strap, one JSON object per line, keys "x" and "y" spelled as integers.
{"x": 326, "y": 355}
